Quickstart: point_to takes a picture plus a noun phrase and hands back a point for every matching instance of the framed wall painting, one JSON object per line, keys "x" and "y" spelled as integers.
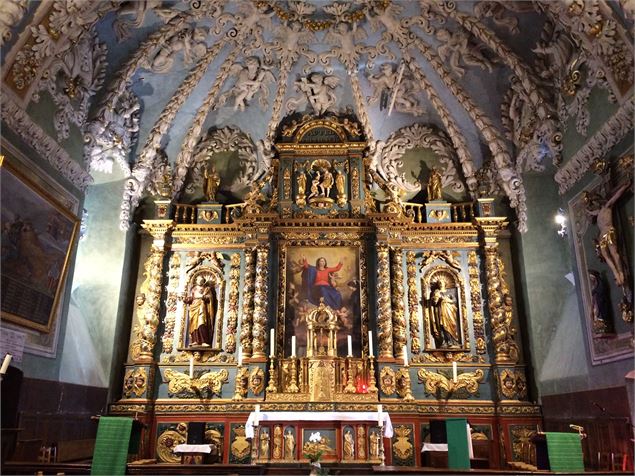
{"x": 38, "y": 234}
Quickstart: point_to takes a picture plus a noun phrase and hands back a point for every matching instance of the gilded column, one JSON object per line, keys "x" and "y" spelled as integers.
{"x": 260, "y": 303}
{"x": 384, "y": 317}
{"x": 477, "y": 307}
{"x": 413, "y": 303}
{"x": 167, "y": 340}
{"x": 398, "y": 308}
{"x": 248, "y": 303}
{"x": 499, "y": 298}
{"x": 232, "y": 308}
{"x": 149, "y": 299}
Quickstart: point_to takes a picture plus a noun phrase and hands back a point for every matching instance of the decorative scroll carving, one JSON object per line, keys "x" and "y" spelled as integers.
{"x": 207, "y": 385}
{"x": 171, "y": 303}
{"x": 475, "y": 296}
{"x": 398, "y": 312}
{"x": 248, "y": 303}
{"x": 413, "y": 303}
{"x": 149, "y": 299}
{"x": 232, "y": 311}
{"x": 240, "y": 391}
{"x": 438, "y": 384}
{"x": 170, "y": 439}
{"x": 384, "y": 312}
{"x": 260, "y": 303}
{"x": 72, "y": 79}
{"x": 506, "y": 350}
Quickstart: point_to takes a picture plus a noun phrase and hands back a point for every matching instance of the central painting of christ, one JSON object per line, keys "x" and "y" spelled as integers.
{"x": 323, "y": 274}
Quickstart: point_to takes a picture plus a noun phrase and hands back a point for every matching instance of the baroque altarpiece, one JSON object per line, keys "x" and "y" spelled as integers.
{"x": 368, "y": 299}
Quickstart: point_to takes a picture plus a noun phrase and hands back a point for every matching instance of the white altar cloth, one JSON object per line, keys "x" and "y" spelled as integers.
{"x": 192, "y": 449}
{"x": 434, "y": 447}
{"x": 318, "y": 416}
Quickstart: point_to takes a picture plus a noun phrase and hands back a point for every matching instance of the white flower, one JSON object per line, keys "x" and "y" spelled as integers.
{"x": 315, "y": 437}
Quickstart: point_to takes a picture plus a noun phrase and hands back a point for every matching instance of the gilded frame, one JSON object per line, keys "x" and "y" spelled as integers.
{"x": 61, "y": 230}
{"x": 426, "y": 283}
{"x": 283, "y": 248}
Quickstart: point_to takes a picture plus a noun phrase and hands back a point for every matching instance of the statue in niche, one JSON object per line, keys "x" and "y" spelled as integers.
{"x": 211, "y": 183}
{"x": 277, "y": 442}
{"x": 315, "y": 186}
{"x": 300, "y": 196}
{"x": 434, "y": 186}
{"x": 349, "y": 445}
{"x": 264, "y": 445}
{"x": 375, "y": 441}
{"x": 202, "y": 310}
{"x": 444, "y": 316}
{"x": 600, "y": 305}
{"x": 327, "y": 183}
{"x": 289, "y": 445}
{"x": 606, "y": 244}
{"x": 389, "y": 83}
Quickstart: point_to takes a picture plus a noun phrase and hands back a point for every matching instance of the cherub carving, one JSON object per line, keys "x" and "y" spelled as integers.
{"x": 458, "y": 46}
{"x": 138, "y": 10}
{"x": 389, "y": 83}
{"x": 319, "y": 92}
{"x": 251, "y": 77}
{"x": 388, "y": 16}
{"x": 347, "y": 46}
{"x": 190, "y": 40}
{"x": 291, "y": 41}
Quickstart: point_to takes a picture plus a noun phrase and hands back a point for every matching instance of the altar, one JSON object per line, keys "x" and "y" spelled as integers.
{"x": 320, "y": 296}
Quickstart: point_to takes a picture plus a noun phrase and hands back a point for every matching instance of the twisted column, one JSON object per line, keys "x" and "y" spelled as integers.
{"x": 398, "y": 309}
{"x": 248, "y": 304}
{"x": 384, "y": 317}
{"x": 260, "y": 303}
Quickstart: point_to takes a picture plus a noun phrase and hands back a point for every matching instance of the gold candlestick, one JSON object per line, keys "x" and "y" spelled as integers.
{"x": 350, "y": 388}
{"x": 382, "y": 452}
{"x": 293, "y": 385}
{"x": 407, "y": 384}
{"x": 372, "y": 383}
{"x": 254, "y": 444}
{"x": 271, "y": 387}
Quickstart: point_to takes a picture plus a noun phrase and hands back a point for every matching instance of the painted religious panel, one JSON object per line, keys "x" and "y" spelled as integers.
{"x": 37, "y": 237}
{"x": 327, "y": 276}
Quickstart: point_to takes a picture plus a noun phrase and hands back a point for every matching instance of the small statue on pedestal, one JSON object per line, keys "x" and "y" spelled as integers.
{"x": 434, "y": 186}
{"x": 211, "y": 183}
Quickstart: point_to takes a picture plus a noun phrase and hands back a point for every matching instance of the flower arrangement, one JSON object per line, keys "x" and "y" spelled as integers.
{"x": 313, "y": 451}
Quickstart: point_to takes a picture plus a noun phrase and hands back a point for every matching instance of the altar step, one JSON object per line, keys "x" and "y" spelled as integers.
{"x": 20, "y": 468}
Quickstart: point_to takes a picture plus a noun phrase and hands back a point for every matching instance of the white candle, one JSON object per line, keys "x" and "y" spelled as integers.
{"x": 405, "y": 356}
{"x": 292, "y": 346}
{"x": 257, "y": 416}
{"x": 454, "y": 372}
{"x": 240, "y": 356}
{"x": 191, "y": 366}
{"x": 380, "y": 417}
{"x": 272, "y": 342}
{"x": 370, "y": 343}
{"x": 350, "y": 346}
{"x": 5, "y": 364}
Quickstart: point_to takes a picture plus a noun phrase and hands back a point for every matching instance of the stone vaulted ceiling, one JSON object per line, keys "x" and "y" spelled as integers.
{"x": 155, "y": 87}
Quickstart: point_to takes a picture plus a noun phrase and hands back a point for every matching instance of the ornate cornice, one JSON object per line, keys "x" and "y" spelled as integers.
{"x": 612, "y": 132}
{"x": 34, "y": 136}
